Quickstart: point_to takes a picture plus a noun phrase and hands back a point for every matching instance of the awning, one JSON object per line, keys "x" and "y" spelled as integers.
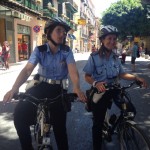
{"x": 71, "y": 36}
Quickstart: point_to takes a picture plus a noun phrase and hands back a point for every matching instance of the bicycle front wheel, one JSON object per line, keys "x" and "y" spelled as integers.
{"x": 132, "y": 137}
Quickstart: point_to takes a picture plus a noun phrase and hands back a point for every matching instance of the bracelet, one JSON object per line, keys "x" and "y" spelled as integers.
{"x": 94, "y": 83}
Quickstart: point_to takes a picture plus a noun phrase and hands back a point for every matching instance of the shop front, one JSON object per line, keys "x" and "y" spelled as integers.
{"x": 23, "y": 38}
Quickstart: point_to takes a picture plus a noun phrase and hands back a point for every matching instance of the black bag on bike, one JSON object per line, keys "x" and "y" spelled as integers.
{"x": 89, "y": 94}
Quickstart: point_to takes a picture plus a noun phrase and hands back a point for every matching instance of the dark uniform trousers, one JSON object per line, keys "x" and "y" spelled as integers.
{"x": 99, "y": 110}
{"x": 25, "y": 116}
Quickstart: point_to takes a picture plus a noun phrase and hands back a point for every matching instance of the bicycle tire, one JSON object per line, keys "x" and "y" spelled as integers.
{"x": 47, "y": 148}
{"x": 132, "y": 137}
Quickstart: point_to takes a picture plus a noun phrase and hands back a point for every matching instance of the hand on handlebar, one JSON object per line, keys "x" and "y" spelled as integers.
{"x": 101, "y": 86}
{"x": 81, "y": 95}
{"x": 9, "y": 96}
{"x": 141, "y": 82}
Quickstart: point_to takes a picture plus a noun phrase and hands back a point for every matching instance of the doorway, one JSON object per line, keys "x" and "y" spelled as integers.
{"x": 24, "y": 48}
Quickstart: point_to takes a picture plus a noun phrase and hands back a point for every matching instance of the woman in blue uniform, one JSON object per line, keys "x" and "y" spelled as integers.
{"x": 104, "y": 67}
{"x": 55, "y": 61}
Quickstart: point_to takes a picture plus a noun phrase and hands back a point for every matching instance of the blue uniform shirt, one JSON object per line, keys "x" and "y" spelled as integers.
{"x": 52, "y": 66}
{"x": 104, "y": 70}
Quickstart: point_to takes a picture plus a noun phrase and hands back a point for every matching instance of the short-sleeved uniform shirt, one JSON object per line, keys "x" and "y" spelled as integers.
{"x": 102, "y": 69}
{"x": 52, "y": 66}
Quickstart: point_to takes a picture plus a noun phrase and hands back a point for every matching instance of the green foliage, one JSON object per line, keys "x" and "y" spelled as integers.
{"x": 129, "y": 16}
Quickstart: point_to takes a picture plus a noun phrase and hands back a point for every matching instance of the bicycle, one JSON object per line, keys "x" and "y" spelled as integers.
{"x": 130, "y": 136}
{"x": 43, "y": 126}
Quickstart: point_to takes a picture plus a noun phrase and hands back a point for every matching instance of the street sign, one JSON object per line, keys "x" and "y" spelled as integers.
{"x": 36, "y": 28}
{"x": 81, "y": 21}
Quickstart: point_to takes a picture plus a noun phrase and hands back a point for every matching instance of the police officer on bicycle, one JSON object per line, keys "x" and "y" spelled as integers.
{"x": 104, "y": 67}
{"x": 55, "y": 61}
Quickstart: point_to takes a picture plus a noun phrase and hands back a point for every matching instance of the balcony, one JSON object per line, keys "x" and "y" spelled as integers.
{"x": 82, "y": 15}
{"x": 51, "y": 7}
{"x": 71, "y": 23}
{"x": 25, "y": 6}
{"x": 72, "y": 6}
{"x": 47, "y": 13}
{"x": 73, "y": 26}
{"x": 32, "y": 4}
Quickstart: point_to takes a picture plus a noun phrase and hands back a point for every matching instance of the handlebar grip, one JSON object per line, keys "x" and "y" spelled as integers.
{"x": 19, "y": 96}
{"x": 139, "y": 83}
{"x": 16, "y": 96}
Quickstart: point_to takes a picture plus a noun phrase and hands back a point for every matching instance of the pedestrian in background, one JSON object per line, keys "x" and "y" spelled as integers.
{"x": 6, "y": 53}
{"x": 24, "y": 47}
{"x": 19, "y": 50}
{"x": 134, "y": 51}
{"x": 56, "y": 62}
{"x": 146, "y": 51}
{"x": 104, "y": 67}
{"x": 1, "y": 56}
{"x": 93, "y": 49}
{"x": 124, "y": 54}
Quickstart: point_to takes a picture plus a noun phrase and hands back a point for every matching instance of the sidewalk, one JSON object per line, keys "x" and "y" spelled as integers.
{"x": 20, "y": 65}
{"x": 78, "y": 56}
{"x": 13, "y": 67}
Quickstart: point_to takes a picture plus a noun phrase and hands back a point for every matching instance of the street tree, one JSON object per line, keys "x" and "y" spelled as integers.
{"x": 129, "y": 16}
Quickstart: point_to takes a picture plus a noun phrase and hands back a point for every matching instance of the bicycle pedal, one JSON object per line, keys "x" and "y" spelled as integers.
{"x": 46, "y": 140}
{"x": 106, "y": 135}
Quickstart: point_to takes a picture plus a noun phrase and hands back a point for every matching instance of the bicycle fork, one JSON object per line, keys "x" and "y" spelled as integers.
{"x": 43, "y": 139}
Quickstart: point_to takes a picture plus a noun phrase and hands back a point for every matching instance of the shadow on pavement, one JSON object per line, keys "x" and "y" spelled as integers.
{"x": 8, "y": 136}
{"x": 79, "y": 122}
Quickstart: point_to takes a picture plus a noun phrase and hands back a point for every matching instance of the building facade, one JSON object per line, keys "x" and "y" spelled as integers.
{"x": 23, "y": 21}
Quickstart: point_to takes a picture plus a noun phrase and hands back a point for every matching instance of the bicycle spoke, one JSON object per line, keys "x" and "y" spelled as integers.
{"x": 132, "y": 138}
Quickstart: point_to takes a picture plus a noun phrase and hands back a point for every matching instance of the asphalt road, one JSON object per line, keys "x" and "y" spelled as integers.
{"x": 79, "y": 121}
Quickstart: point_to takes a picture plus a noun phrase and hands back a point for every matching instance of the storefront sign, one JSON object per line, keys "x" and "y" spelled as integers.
{"x": 23, "y": 29}
{"x": 36, "y": 28}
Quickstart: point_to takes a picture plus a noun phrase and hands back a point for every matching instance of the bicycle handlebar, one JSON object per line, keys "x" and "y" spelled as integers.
{"x": 118, "y": 86}
{"x": 27, "y": 97}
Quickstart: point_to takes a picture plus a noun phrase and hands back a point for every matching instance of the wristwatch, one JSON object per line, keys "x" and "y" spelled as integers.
{"x": 94, "y": 83}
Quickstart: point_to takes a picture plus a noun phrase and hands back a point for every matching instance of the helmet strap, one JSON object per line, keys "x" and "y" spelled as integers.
{"x": 50, "y": 39}
{"x": 104, "y": 49}
{"x": 53, "y": 42}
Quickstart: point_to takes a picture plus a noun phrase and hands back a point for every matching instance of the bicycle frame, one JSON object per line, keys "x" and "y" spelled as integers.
{"x": 43, "y": 124}
{"x": 43, "y": 121}
{"x": 124, "y": 115}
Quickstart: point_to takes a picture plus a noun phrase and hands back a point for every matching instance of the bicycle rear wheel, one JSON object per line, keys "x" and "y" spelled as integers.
{"x": 133, "y": 138}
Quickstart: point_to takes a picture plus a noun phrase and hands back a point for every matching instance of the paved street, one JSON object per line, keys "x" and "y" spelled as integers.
{"x": 79, "y": 121}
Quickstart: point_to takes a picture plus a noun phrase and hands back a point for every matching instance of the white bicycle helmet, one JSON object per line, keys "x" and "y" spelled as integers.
{"x": 105, "y": 30}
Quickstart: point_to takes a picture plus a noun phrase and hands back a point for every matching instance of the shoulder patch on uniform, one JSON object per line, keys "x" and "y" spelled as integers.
{"x": 65, "y": 48}
{"x": 42, "y": 48}
{"x": 94, "y": 53}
